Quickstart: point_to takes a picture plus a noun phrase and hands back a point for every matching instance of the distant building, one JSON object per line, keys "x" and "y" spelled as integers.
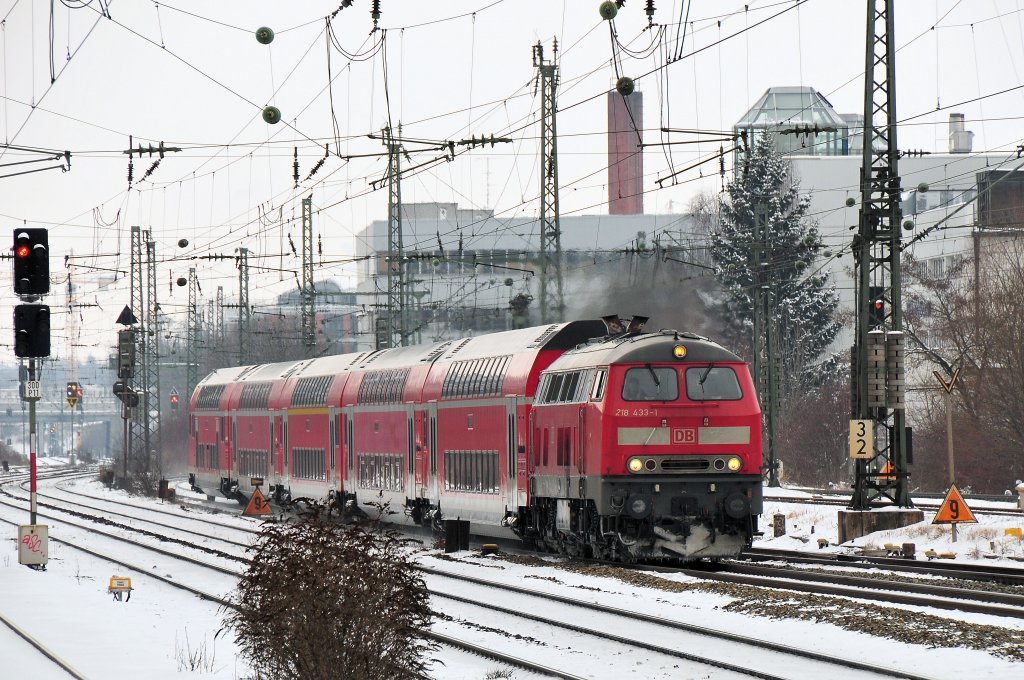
{"x": 471, "y": 271}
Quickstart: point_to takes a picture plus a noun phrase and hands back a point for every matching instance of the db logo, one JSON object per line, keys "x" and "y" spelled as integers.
{"x": 684, "y": 435}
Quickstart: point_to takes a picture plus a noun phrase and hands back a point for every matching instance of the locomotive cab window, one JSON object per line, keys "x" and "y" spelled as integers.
{"x": 650, "y": 383}
{"x": 712, "y": 383}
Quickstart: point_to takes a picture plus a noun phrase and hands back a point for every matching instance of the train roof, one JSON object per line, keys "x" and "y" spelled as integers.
{"x": 644, "y": 348}
{"x": 561, "y": 337}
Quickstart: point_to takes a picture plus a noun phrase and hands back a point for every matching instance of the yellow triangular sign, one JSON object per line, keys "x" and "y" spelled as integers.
{"x": 72, "y": 401}
{"x": 954, "y": 510}
{"x": 257, "y": 505}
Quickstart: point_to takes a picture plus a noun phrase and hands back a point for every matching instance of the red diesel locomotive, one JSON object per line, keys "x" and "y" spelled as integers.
{"x": 581, "y": 438}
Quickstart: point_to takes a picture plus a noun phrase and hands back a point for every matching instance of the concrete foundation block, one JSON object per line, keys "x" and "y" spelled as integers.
{"x": 855, "y": 523}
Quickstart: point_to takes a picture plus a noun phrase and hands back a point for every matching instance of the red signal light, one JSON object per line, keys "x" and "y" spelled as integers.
{"x": 22, "y": 251}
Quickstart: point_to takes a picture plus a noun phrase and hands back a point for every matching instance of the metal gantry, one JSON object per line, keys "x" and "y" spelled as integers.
{"x": 552, "y": 305}
{"x": 877, "y": 373}
{"x": 244, "y": 313}
{"x": 308, "y": 293}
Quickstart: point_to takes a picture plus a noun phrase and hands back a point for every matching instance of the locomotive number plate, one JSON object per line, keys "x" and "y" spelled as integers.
{"x": 636, "y": 412}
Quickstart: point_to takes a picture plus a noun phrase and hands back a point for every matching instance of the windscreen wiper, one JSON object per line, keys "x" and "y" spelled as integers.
{"x": 654, "y": 376}
{"x": 704, "y": 376}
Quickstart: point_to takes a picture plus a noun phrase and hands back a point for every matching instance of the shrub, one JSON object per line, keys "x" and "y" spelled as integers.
{"x": 324, "y": 600}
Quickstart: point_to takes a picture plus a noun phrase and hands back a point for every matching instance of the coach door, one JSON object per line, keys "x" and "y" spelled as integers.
{"x": 510, "y": 459}
{"x": 333, "y": 425}
{"x": 433, "y": 488}
{"x": 421, "y": 452}
{"x": 581, "y": 439}
{"x": 410, "y": 451}
{"x": 350, "y": 450}
{"x": 277, "y": 462}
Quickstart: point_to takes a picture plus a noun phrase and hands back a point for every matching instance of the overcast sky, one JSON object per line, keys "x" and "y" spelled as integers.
{"x": 192, "y": 74}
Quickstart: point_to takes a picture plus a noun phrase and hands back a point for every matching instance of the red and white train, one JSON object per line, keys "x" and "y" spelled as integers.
{"x": 581, "y": 438}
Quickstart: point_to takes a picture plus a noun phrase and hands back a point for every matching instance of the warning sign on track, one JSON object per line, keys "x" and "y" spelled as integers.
{"x": 954, "y": 510}
{"x": 257, "y": 505}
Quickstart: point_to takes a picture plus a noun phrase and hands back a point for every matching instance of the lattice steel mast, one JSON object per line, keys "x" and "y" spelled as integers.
{"x": 192, "y": 353}
{"x": 397, "y": 308}
{"x": 152, "y": 358}
{"x": 244, "y": 313}
{"x": 136, "y": 427}
{"x": 308, "y": 293}
{"x": 552, "y": 304}
{"x": 878, "y": 374}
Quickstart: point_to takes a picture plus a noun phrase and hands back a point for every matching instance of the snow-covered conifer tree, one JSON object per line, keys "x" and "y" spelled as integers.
{"x": 802, "y": 299}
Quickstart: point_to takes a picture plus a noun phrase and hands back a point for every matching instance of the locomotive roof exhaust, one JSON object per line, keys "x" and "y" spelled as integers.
{"x": 636, "y": 325}
{"x": 614, "y": 325}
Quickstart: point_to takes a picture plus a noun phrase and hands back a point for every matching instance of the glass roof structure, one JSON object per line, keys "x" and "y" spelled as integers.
{"x": 802, "y": 120}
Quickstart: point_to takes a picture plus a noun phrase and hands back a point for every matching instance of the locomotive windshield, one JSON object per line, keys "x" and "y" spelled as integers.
{"x": 712, "y": 383}
{"x": 651, "y": 383}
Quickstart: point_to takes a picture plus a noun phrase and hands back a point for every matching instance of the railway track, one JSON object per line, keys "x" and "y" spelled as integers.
{"x": 844, "y": 502}
{"x": 1012, "y": 576}
{"x": 722, "y": 644}
{"x": 779, "y": 578}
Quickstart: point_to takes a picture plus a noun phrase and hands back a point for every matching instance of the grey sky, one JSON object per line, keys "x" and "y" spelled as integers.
{"x": 161, "y": 74}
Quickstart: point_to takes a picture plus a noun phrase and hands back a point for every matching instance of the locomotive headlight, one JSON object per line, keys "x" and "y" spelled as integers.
{"x": 635, "y": 465}
{"x": 734, "y": 464}
{"x": 679, "y": 351}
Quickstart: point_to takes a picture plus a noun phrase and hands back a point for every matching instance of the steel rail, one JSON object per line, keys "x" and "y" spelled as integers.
{"x": 42, "y": 649}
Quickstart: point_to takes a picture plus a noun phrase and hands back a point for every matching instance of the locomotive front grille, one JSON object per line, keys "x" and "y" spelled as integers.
{"x": 685, "y": 464}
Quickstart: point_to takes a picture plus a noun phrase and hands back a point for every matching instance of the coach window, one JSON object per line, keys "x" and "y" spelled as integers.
{"x": 542, "y": 387}
{"x": 554, "y": 388}
{"x": 649, "y": 383}
{"x": 598, "y": 392}
{"x": 712, "y": 383}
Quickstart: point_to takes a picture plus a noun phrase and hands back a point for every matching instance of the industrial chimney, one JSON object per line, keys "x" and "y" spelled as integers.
{"x": 625, "y": 157}
{"x": 960, "y": 140}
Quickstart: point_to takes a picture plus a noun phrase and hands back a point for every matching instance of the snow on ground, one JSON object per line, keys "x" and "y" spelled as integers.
{"x": 164, "y": 633}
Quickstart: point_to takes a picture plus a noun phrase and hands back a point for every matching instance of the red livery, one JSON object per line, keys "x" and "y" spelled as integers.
{"x": 581, "y": 438}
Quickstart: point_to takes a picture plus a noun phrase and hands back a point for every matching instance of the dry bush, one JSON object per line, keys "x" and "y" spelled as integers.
{"x": 325, "y": 600}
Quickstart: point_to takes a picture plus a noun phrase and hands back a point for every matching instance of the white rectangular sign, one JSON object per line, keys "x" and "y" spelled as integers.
{"x": 33, "y": 544}
{"x": 33, "y": 390}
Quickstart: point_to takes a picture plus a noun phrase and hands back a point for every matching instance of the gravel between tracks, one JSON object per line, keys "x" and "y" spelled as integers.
{"x": 878, "y": 620}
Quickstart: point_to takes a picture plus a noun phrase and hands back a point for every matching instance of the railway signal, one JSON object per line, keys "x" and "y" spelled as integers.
{"x": 31, "y": 331}
{"x": 31, "y": 262}
{"x": 174, "y": 399}
{"x": 74, "y": 394}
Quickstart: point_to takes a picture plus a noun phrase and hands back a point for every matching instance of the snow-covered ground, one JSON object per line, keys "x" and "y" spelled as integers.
{"x": 164, "y": 633}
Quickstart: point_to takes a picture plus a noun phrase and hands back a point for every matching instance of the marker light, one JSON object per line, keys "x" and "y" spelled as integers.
{"x": 734, "y": 464}
{"x": 635, "y": 465}
{"x": 679, "y": 351}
